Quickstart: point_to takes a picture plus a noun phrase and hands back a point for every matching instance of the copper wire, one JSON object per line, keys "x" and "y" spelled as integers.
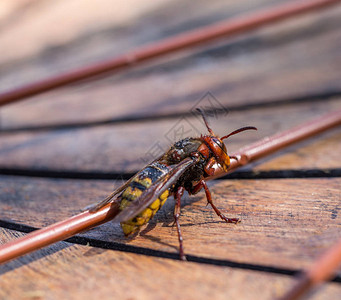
{"x": 67, "y": 228}
{"x": 182, "y": 41}
{"x": 322, "y": 269}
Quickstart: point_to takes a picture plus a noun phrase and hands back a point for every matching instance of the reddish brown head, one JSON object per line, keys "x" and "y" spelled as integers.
{"x": 213, "y": 144}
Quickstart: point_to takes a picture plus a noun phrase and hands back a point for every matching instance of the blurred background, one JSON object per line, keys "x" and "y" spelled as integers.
{"x": 294, "y": 59}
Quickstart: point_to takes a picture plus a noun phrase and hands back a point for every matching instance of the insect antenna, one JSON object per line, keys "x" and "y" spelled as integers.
{"x": 205, "y": 120}
{"x": 239, "y": 130}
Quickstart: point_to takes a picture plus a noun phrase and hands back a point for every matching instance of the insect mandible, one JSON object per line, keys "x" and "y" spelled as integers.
{"x": 185, "y": 166}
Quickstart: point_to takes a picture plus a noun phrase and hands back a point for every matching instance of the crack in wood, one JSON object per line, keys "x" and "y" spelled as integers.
{"x": 248, "y": 105}
{"x": 97, "y": 175}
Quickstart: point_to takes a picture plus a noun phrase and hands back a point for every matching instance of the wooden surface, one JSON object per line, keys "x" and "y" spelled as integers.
{"x": 273, "y": 78}
{"x": 119, "y": 275}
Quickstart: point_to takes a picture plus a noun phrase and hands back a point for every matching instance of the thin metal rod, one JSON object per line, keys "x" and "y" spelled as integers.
{"x": 83, "y": 221}
{"x": 56, "y": 232}
{"x": 322, "y": 269}
{"x": 169, "y": 45}
{"x": 278, "y": 141}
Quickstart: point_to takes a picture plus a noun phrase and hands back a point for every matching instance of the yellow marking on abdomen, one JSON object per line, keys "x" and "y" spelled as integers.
{"x": 143, "y": 217}
{"x": 139, "y": 184}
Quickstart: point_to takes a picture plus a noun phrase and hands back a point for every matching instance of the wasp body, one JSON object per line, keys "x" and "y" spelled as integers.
{"x": 140, "y": 183}
{"x": 185, "y": 166}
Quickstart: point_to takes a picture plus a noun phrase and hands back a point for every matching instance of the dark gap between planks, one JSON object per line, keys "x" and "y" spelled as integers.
{"x": 97, "y": 175}
{"x": 316, "y": 97}
{"x": 162, "y": 254}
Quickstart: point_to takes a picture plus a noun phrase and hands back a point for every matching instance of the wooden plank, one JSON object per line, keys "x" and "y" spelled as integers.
{"x": 95, "y": 34}
{"x": 128, "y": 147}
{"x": 79, "y": 272}
{"x": 285, "y": 223}
{"x": 265, "y": 65}
{"x": 127, "y": 25}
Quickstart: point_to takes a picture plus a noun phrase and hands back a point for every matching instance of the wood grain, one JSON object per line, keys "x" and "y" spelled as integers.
{"x": 81, "y": 272}
{"x": 94, "y": 32}
{"x": 286, "y": 223}
{"x": 244, "y": 70}
{"x": 128, "y": 147}
{"x": 282, "y": 225}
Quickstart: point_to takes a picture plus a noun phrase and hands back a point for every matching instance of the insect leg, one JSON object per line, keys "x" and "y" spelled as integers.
{"x": 203, "y": 184}
{"x": 178, "y": 194}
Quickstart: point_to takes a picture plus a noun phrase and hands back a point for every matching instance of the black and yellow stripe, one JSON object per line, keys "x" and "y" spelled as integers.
{"x": 141, "y": 182}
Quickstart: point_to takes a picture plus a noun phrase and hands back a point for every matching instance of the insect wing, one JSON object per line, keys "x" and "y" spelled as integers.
{"x": 109, "y": 199}
{"x": 154, "y": 191}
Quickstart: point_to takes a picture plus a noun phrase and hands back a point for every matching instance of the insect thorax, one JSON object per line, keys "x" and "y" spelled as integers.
{"x": 182, "y": 149}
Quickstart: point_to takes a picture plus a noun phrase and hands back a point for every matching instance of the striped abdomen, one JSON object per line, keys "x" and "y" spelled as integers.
{"x": 142, "y": 181}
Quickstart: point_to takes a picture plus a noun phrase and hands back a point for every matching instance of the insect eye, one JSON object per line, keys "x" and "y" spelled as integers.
{"x": 220, "y": 144}
{"x": 217, "y": 142}
{"x": 224, "y": 147}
